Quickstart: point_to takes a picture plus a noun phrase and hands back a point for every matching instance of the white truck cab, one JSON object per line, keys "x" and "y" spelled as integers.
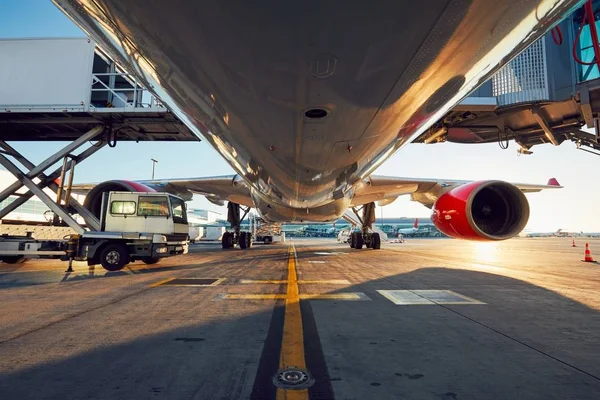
{"x": 144, "y": 212}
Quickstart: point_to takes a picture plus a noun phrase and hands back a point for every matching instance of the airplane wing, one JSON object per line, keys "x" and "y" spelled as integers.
{"x": 381, "y": 189}
{"x": 385, "y": 189}
{"x": 217, "y": 189}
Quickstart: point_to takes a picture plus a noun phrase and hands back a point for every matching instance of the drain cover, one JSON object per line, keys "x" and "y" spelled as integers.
{"x": 293, "y": 378}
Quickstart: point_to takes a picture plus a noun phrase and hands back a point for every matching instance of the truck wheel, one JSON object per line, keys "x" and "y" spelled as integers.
{"x": 13, "y": 259}
{"x": 268, "y": 239}
{"x": 150, "y": 260}
{"x": 114, "y": 257}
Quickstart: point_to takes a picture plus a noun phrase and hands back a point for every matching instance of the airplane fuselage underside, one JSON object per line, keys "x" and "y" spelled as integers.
{"x": 274, "y": 212}
{"x": 305, "y": 99}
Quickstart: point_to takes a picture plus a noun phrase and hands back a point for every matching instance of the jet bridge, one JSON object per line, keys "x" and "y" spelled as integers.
{"x": 528, "y": 123}
{"x": 550, "y": 93}
{"x": 68, "y": 90}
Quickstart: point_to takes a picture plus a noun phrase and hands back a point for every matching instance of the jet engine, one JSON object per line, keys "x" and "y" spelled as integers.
{"x": 485, "y": 211}
{"x": 93, "y": 200}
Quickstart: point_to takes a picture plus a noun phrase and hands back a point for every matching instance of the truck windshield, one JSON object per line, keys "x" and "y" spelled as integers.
{"x": 155, "y": 206}
{"x": 178, "y": 210}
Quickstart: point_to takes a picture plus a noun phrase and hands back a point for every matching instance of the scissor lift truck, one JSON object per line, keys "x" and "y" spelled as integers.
{"x": 134, "y": 226}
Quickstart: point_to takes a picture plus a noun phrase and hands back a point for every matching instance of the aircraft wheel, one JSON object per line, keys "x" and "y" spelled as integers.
{"x": 352, "y": 240}
{"x": 359, "y": 241}
{"x": 376, "y": 241}
{"x": 245, "y": 240}
{"x": 227, "y": 240}
{"x": 114, "y": 257}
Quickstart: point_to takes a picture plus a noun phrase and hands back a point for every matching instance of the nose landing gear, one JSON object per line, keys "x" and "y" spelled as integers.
{"x": 242, "y": 238}
{"x": 366, "y": 237}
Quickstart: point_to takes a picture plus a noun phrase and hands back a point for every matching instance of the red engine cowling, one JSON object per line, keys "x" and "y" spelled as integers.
{"x": 485, "y": 210}
{"x": 93, "y": 200}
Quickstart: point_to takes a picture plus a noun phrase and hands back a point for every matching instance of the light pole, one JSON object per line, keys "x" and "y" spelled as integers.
{"x": 153, "y": 164}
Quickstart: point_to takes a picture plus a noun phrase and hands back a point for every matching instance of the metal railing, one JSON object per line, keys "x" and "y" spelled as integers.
{"x": 135, "y": 96}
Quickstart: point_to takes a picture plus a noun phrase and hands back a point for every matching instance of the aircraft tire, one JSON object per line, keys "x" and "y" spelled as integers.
{"x": 376, "y": 241}
{"x": 227, "y": 240}
{"x": 359, "y": 241}
{"x": 245, "y": 240}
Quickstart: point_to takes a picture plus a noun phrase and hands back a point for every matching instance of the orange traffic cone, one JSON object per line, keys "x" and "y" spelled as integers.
{"x": 588, "y": 254}
{"x": 574, "y": 243}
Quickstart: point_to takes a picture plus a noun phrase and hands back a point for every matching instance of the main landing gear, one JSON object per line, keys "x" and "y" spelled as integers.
{"x": 366, "y": 237}
{"x": 230, "y": 239}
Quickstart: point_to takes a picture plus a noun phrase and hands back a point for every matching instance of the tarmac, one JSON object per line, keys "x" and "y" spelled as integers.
{"x": 310, "y": 319}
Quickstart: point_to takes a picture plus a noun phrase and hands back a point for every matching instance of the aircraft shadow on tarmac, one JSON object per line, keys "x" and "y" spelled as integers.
{"x": 524, "y": 342}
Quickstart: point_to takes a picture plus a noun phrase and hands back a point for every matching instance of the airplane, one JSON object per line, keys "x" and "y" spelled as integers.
{"x": 305, "y": 100}
{"x": 406, "y": 231}
{"x": 557, "y": 233}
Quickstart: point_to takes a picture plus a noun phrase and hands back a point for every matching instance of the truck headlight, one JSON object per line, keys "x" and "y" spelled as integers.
{"x": 162, "y": 250}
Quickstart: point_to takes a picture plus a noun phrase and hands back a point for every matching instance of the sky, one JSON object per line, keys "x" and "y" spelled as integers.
{"x": 572, "y": 208}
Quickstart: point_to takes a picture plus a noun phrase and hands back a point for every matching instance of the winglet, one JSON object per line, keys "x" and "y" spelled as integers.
{"x": 553, "y": 182}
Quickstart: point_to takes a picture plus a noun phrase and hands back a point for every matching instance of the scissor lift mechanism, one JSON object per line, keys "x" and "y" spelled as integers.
{"x": 65, "y": 204}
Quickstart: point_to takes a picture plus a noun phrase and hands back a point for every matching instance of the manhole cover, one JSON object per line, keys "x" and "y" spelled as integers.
{"x": 293, "y": 378}
{"x": 193, "y": 282}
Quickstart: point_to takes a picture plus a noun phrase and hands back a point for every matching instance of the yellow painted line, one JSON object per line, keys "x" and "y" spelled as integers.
{"x": 300, "y": 282}
{"x": 325, "y": 282}
{"x": 334, "y": 296}
{"x": 254, "y": 296}
{"x": 316, "y": 296}
{"x": 292, "y": 344}
{"x": 271, "y": 281}
{"x": 215, "y": 283}
{"x": 155, "y": 284}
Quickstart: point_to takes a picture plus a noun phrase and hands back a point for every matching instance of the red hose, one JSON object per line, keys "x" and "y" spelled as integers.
{"x": 588, "y": 13}
{"x": 557, "y": 35}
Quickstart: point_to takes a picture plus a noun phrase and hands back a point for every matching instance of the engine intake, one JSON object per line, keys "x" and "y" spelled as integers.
{"x": 485, "y": 210}
{"x": 93, "y": 200}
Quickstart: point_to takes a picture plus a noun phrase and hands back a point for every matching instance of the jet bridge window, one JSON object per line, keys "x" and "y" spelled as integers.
{"x": 153, "y": 206}
{"x": 122, "y": 207}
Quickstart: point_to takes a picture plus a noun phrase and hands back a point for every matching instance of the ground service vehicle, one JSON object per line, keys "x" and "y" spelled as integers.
{"x": 134, "y": 226}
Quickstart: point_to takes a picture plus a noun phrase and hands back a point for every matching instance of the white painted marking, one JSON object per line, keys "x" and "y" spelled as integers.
{"x": 403, "y": 297}
{"x": 426, "y": 297}
{"x": 328, "y": 253}
{"x": 317, "y": 262}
